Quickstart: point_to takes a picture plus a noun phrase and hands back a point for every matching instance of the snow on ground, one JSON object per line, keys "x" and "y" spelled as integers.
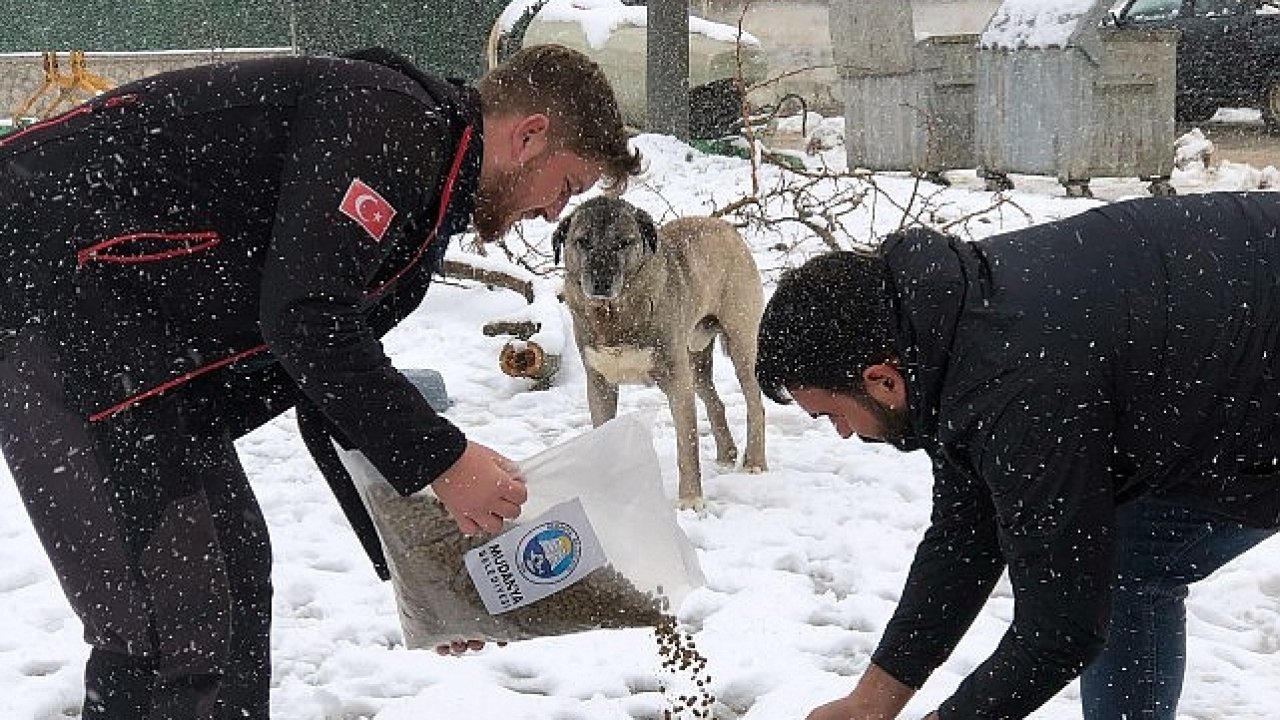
{"x": 803, "y": 562}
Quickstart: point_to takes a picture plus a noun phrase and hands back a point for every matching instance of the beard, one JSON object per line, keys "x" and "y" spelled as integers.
{"x": 494, "y": 212}
{"x": 893, "y": 425}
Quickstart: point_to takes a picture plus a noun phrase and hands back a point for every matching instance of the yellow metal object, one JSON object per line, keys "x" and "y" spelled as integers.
{"x": 58, "y": 89}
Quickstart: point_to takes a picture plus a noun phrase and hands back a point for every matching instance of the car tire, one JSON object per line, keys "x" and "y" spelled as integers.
{"x": 1271, "y": 105}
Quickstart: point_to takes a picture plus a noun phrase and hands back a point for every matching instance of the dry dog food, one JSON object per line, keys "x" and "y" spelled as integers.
{"x": 686, "y": 666}
{"x": 439, "y": 603}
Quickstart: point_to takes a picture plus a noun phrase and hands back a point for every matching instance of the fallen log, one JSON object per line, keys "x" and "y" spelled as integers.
{"x": 527, "y": 359}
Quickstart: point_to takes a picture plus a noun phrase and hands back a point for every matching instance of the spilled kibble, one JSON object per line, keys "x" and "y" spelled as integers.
{"x": 684, "y": 666}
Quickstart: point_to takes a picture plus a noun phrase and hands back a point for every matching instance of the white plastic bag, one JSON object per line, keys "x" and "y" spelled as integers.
{"x": 614, "y": 473}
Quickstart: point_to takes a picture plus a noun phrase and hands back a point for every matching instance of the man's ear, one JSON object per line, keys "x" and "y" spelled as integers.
{"x": 885, "y": 384}
{"x": 529, "y": 137}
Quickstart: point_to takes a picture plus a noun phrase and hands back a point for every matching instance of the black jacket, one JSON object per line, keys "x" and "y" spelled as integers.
{"x": 1055, "y": 372}
{"x": 186, "y": 235}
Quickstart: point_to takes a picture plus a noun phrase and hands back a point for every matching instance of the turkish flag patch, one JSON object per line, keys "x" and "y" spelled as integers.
{"x": 369, "y": 209}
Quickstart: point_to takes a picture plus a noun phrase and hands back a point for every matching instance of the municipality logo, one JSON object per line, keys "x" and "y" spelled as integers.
{"x": 549, "y": 553}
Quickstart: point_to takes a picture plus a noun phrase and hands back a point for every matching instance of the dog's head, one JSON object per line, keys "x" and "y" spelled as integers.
{"x": 605, "y": 240}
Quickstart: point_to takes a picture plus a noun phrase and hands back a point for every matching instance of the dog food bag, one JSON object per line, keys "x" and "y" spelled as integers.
{"x": 597, "y": 545}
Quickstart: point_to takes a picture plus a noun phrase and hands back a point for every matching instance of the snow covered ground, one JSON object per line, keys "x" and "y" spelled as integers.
{"x": 803, "y": 563}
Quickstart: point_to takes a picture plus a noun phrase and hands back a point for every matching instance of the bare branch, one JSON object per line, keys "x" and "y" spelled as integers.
{"x": 463, "y": 271}
{"x": 787, "y": 74}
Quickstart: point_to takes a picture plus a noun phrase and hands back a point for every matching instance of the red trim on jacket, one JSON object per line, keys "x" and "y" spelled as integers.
{"x": 454, "y": 169}
{"x": 189, "y": 242}
{"x": 174, "y": 382}
{"x": 132, "y": 400}
{"x": 72, "y": 113}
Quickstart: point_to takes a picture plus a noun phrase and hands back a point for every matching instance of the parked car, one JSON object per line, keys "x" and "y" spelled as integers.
{"x": 1228, "y": 52}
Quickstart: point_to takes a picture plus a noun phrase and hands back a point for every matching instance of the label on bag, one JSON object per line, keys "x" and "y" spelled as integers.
{"x": 536, "y": 559}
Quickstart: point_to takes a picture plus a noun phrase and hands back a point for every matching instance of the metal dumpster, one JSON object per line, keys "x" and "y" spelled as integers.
{"x": 1073, "y": 100}
{"x": 909, "y": 105}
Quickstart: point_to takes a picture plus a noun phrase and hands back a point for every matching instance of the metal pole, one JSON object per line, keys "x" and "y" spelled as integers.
{"x": 292, "y": 8}
{"x": 667, "y": 67}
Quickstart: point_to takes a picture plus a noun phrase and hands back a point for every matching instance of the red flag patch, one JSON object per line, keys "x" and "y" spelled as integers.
{"x": 364, "y": 205}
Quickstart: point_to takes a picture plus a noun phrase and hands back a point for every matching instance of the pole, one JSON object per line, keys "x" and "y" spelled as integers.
{"x": 667, "y": 67}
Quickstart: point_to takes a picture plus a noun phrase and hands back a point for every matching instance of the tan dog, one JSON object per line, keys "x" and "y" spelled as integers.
{"x": 647, "y": 305}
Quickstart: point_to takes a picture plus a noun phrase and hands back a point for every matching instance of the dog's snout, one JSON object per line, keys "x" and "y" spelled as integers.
{"x": 599, "y": 288}
{"x": 601, "y": 280}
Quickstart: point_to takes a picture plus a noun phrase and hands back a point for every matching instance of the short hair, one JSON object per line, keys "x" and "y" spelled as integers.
{"x": 827, "y": 321}
{"x": 572, "y": 90}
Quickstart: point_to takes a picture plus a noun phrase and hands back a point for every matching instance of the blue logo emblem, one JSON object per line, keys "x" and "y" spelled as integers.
{"x": 549, "y": 553}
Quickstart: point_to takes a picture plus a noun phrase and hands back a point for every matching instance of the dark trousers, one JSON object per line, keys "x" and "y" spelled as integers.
{"x": 157, "y": 540}
{"x": 1161, "y": 548}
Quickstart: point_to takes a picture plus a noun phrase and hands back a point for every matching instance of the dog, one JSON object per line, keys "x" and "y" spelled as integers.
{"x": 647, "y": 305}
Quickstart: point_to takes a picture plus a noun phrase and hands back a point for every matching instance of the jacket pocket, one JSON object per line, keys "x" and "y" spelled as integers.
{"x": 145, "y": 247}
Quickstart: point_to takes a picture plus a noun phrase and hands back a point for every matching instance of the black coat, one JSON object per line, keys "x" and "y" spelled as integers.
{"x": 1055, "y": 372}
{"x": 186, "y": 235}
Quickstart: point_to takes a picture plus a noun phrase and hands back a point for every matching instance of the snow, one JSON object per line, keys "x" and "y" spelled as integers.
{"x": 1195, "y": 157}
{"x": 1034, "y": 23}
{"x": 803, "y": 562}
{"x": 601, "y": 18}
{"x": 820, "y": 133}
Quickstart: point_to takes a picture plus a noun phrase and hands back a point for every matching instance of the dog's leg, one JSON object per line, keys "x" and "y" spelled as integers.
{"x": 726, "y": 450}
{"x": 742, "y": 351}
{"x": 602, "y": 398}
{"x": 678, "y": 387}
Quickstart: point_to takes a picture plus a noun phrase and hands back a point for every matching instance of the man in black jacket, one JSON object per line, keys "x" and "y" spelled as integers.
{"x": 191, "y": 254}
{"x": 1100, "y": 397}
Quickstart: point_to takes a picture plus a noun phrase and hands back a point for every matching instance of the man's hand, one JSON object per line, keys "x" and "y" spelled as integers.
{"x": 481, "y": 490}
{"x": 878, "y": 696}
{"x": 846, "y": 708}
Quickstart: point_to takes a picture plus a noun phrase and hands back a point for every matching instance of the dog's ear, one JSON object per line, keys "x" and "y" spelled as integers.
{"x": 648, "y": 230}
{"x": 558, "y": 237}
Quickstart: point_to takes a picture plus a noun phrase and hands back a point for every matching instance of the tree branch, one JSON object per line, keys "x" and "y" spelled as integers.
{"x": 463, "y": 271}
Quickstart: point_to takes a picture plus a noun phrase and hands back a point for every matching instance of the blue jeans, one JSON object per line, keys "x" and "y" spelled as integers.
{"x": 1161, "y": 548}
